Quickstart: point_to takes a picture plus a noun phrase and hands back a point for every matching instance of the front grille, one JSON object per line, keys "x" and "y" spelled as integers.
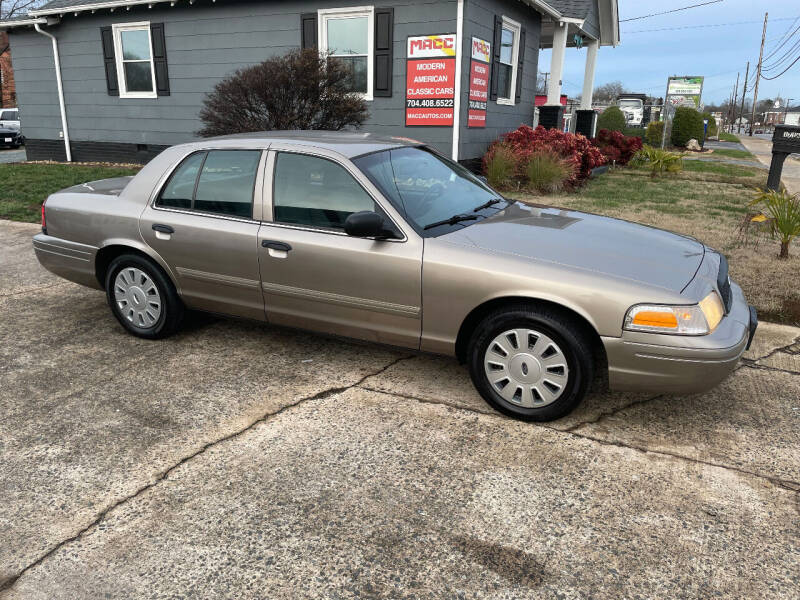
{"x": 724, "y": 283}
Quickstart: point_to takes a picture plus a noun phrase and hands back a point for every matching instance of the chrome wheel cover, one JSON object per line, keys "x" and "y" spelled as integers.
{"x": 526, "y": 368}
{"x": 137, "y": 297}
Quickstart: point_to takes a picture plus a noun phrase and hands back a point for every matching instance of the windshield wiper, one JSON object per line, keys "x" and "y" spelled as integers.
{"x": 452, "y": 221}
{"x": 487, "y": 204}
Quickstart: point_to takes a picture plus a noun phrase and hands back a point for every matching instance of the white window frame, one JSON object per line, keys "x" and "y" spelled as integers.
{"x": 516, "y": 29}
{"x": 326, "y": 14}
{"x": 117, "y": 29}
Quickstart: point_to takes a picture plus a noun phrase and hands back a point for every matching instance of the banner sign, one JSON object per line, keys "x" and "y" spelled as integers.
{"x": 479, "y": 83}
{"x": 431, "y": 80}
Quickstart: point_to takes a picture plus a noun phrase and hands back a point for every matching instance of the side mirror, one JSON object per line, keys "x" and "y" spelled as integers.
{"x": 366, "y": 224}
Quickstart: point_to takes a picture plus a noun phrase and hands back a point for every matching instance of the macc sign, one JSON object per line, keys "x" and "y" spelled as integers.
{"x": 432, "y": 46}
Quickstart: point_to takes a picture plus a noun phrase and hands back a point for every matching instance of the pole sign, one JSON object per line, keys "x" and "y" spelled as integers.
{"x": 431, "y": 80}
{"x": 479, "y": 82}
{"x": 684, "y": 91}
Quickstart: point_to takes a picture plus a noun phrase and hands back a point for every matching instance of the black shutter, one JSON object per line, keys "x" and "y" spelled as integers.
{"x": 112, "y": 84}
{"x": 384, "y": 56}
{"x": 520, "y": 63}
{"x": 308, "y": 30}
{"x": 498, "y": 40}
{"x": 160, "y": 58}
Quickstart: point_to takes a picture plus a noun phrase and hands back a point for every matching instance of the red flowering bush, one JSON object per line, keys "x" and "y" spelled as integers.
{"x": 575, "y": 149}
{"x": 617, "y": 147}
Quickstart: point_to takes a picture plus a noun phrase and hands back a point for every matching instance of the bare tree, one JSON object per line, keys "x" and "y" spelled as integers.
{"x": 608, "y": 92}
{"x": 16, "y": 8}
{"x": 299, "y": 90}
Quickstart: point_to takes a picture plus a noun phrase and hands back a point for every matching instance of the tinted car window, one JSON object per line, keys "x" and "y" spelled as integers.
{"x": 227, "y": 181}
{"x": 225, "y": 184}
{"x": 9, "y": 115}
{"x": 179, "y": 190}
{"x": 316, "y": 192}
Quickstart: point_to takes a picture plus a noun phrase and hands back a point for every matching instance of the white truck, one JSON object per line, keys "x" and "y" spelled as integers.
{"x": 632, "y": 106}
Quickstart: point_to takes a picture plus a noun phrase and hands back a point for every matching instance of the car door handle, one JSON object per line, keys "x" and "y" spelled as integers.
{"x": 279, "y": 246}
{"x": 163, "y": 228}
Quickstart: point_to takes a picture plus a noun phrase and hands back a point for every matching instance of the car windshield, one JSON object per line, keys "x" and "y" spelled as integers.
{"x": 435, "y": 195}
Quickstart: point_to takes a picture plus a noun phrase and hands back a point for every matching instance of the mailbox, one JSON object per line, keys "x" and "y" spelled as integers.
{"x": 785, "y": 141}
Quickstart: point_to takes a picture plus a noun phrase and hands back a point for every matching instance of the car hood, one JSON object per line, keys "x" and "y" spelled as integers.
{"x": 585, "y": 241}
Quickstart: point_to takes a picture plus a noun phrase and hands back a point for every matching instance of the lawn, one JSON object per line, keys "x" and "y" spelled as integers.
{"x": 707, "y": 201}
{"x": 24, "y": 186}
{"x": 727, "y": 137}
{"x": 732, "y": 153}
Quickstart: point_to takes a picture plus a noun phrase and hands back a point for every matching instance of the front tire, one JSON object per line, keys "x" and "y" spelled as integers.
{"x": 530, "y": 363}
{"x": 142, "y": 298}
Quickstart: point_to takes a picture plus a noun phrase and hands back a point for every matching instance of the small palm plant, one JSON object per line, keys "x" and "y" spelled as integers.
{"x": 660, "y": 161}
{"x": 782, "y": 210}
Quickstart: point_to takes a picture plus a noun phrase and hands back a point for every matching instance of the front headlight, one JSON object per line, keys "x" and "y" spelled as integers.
{"x": 696, "y": 319}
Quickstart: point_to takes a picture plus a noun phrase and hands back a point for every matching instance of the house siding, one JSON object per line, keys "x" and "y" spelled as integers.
{"x": 207, "y": 42}
{"x": 500, "y": 118}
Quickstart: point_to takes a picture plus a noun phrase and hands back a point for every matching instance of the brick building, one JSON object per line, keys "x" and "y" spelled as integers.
{"x": 8, "y": 91}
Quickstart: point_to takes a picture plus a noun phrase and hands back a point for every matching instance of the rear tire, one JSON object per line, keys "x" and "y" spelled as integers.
{"x": 142, "y": 297}
{"x": 530, "y": 363}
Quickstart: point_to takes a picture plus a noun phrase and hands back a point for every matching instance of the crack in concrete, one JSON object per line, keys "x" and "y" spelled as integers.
{"x": 770, "y": 368}
{"x": 9, "y": 582}
{"x": 34, "y": 289}
{"x": 787, "y": 484}
{"x": 611, "y": 413}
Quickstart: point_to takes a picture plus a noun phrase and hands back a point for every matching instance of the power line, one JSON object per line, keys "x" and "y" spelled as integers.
{"x": 788, "y": 55}
{"x": 703, "y": 26}
{"x": 783, "y": 40}
{"x": 794, "y": 62}
{"x": 666, "y": 12}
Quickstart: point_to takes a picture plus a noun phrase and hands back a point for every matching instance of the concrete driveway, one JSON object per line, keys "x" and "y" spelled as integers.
{"x": 237, "y": 460}
{"x": 12, "y": 155}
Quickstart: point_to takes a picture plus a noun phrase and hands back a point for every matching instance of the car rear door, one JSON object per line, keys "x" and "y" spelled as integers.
{"x": 204, "y": 223}
{"x": 315, "y": 276}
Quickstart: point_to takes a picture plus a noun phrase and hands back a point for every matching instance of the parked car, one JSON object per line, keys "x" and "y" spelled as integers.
{"x": 9, "y": 118}
{"x": 10, "y": 138}
{"x": 386, "y": 240}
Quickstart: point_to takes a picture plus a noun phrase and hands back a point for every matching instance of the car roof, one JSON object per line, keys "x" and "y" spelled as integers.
{"x": 346, "y": 143}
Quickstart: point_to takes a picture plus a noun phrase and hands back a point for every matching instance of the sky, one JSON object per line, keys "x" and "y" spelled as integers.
{"x": 644, "y": 59}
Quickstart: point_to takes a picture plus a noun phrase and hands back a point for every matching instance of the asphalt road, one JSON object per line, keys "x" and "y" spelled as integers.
{"x": 238, "y": 460}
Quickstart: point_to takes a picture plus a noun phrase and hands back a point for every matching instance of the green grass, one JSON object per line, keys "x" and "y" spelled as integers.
{"x": 24, "y": 186}
{"x": 727, "y": 137}
{"x": 699, "y": 166}
{"x": 732, "y": 153}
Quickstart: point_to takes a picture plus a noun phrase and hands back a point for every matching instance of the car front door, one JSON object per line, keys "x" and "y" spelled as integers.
{"x": 315, "y": 276}
{"x": 202, "y": 224}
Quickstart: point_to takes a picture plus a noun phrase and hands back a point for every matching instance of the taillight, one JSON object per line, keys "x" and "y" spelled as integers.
{"x": 44, "y": 223}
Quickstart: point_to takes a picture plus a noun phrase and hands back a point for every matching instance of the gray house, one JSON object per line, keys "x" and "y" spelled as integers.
{"x": 119, "y": 80}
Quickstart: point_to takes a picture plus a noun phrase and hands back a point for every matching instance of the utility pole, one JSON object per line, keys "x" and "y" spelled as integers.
{"x": 758, "y": 74}
{"x": 744, "y": 94}
{"x": 732, "y": 106}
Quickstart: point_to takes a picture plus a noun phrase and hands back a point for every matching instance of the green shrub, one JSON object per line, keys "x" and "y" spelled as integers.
{"x": 612, "y": 119}
{"x": 712, "y": 125}
{"x": 547, "y": 172}
{"x": 783, "y": 212}
{"x": 659, "y": 161}
{"x": 500, "y": 167}
{"x": 635, "y": 132}
{"x": 686, "y": 125}
{"x": 654, "y": 134}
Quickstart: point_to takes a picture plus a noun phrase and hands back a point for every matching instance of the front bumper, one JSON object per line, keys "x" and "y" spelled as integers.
{"x": 681, "y": 364}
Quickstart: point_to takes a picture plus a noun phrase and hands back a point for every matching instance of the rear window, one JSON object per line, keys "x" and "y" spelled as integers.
{"x": 9, "y": 115}
{"x": 219, "y": 182}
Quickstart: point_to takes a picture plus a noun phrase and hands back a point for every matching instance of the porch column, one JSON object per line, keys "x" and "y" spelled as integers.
{"x": 551, "y": 114}
{"x": 586, "y": 118}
